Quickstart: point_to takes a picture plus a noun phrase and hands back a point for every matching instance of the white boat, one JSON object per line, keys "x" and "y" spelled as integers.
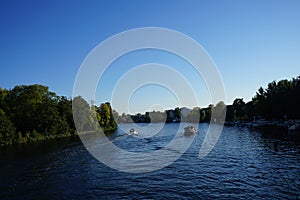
{"x": 132, "y": 131}
{"x": 190, "y": 130}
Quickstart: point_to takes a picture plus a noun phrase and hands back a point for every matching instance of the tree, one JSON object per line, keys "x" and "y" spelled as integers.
{"x": 7, "y": 129}
{"x": 107, "y": 122}
{"x": 278, "y": 101}
{"x": 157, "y": 116}
{"x": 239, "y": 109}
{"x": 194, "y": 115}
{"x": 249, "y": 111}
{"x": 82, "y": 115}
{"x": 177, "y": 113}
{"x": 65, "y": 111}
{"x": 206, "y": 116}
{"x": 259, "y": 102}
{"x": 219, "y": 112}
{"x": 230, "y": 116}
{"x": 3, "y": 94}
{"x": 202, "y": 115}
{"x": 25, "y": 104}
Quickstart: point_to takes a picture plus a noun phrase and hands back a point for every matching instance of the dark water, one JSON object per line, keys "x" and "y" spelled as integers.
{"x": 243, "y": 165}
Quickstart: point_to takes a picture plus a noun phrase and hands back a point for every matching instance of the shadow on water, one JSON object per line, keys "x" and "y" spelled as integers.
{"x": 38, "y": 148}
{"x": 278, "y": 139}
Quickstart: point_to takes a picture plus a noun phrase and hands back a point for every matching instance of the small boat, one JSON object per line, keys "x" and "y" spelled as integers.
{"x": 190, "y": 130}
{"x": 132, "y": 131}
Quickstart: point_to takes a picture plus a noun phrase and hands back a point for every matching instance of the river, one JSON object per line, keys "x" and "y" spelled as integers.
{"x": 243, "y": 165}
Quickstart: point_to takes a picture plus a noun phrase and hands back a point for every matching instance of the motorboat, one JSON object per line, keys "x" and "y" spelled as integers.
{"x": 190, "y": 130}
{"x": 132, "y": 131}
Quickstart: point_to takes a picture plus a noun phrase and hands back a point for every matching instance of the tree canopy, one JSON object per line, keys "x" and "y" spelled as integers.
{"x": 279, "y": 101}
{"x": 32, "y": 112}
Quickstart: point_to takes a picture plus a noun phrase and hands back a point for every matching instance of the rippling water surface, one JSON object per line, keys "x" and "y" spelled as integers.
{"x": 244, "y": 164}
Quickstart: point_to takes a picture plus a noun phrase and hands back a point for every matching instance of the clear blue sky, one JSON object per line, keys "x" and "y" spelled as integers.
{"x": 251, "y": 42}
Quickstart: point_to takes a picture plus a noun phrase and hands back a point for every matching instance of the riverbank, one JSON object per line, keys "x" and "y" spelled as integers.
{"x": 288, "y": 126}
{"x": 30, "y": 139}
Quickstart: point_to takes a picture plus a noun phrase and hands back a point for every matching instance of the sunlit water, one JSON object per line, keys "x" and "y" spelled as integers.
{"x": 243, "y": 164}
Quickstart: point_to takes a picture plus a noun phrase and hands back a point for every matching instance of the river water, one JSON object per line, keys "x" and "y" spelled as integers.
{"x": 243, "y": 164}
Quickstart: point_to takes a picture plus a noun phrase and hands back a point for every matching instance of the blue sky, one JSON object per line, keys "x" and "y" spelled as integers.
{"x": 251, "y": 42}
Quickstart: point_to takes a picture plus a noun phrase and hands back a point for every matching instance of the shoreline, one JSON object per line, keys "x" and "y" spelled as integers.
{"x": 288, "y": 126}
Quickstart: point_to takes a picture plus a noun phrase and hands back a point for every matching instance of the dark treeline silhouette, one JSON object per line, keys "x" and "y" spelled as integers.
{"x": 279, "y": 101}
{"x": 183, "y": 114}
{"x": 31, "y": 113}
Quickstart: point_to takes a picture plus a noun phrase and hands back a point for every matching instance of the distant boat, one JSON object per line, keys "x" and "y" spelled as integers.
{"x": 190, "y": 130}
{"x": 132, "y": 131}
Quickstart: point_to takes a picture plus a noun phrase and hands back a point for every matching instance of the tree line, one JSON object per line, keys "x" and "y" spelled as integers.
{"x": 279, "y": 101}
{"x": 32, "y": 112}
{"x": 175, "y": 115}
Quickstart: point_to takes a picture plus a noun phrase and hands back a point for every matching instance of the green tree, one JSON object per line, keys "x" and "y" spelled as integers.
{"x": 107, "y": 122}
{"x": 65, "y": 111}
{"x": 25, "y": 106}
{"x": 3, "y": 94}
{"x": 82, "y": 115}
{"x": 7, "y": 129}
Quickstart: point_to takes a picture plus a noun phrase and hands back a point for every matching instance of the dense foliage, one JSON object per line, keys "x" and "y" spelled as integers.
{"x": 30, "y": 113}
{"x": 279, "y": 101}
{"x": 105, "y": 117}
